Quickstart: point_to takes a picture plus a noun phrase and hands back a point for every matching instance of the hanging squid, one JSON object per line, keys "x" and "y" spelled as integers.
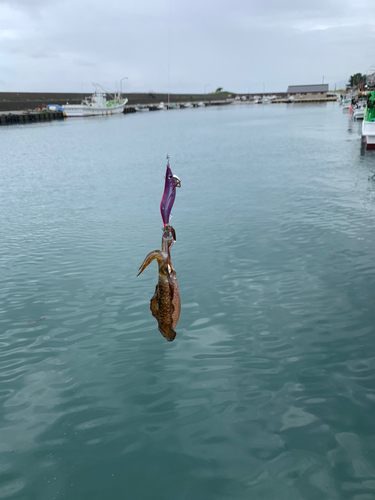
{"x": 165, "y": 305}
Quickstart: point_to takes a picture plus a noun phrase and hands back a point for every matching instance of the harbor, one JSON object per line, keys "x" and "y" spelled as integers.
{"x": 74, "y": 105}
{"x": 23, "y": 108}
{"x": 272, "y": 364}
{"x": 187, "y": 255}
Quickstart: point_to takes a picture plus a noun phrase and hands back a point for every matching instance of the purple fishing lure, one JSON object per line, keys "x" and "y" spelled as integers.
{"x": 169, "y": 195}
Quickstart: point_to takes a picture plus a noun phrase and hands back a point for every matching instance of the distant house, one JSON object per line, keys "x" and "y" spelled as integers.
{"x": 319, "y": 90}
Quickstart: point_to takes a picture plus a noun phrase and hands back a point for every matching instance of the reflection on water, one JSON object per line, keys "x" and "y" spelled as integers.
{"x": 269, "y": 390}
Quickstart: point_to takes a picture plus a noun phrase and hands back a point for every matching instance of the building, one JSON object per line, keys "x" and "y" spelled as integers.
{"x": 308, "y": 91}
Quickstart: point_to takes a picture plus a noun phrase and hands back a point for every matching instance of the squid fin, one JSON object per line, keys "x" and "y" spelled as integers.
{"x": 154, "y": 303}
{"x": 170, "y": 336}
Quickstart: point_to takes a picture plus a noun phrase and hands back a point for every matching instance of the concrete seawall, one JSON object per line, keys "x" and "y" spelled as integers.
{"x": 20, "y": 118}
{"x": 13, "y": 101}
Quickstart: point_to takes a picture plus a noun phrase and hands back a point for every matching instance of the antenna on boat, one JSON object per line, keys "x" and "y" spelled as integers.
{"x": 99, "y": 89}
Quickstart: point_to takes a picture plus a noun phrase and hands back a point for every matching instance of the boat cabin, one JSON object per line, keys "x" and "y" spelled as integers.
{"x": 97, "y": 99}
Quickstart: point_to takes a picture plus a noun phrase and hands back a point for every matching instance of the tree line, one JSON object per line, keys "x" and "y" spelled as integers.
{"x": 357, "y": 80}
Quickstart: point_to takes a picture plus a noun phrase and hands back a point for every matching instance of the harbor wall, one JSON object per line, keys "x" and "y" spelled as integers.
{"x": 33, "y": 117}
{"x": 14, "y": 101}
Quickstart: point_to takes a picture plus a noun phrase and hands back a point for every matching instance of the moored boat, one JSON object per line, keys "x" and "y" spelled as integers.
{"x": 174, "y": 105}
{"x": 358, "y": 111}
{"x": 139, "y": 107}
{"x": 347, "y": 102}
{"x": 368, "y": 124}
{"x": 96, "y": 105}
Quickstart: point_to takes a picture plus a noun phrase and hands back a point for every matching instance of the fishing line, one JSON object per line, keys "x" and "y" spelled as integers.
{"x": 165, "y": 304}
{"x": 169, "y": 66}
{"x": 169, "y": 78}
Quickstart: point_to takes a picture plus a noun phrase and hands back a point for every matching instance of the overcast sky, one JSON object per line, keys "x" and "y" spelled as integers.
{"x": 241, "y": 45}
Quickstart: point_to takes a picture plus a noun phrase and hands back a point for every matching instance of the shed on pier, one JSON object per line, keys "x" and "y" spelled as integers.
{"x": 303, "y": 91}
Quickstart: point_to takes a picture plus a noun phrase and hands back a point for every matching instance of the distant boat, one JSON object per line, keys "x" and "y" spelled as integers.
{"x": 96, "y": 105}
{"x": 188, "y": 105}
{"x": 162, "y": 106}
{"x": 201, "y": 104}
{"x": 174, "y": 105}
{"x": 346, "y": 102}
{"x": 139, "y": 107}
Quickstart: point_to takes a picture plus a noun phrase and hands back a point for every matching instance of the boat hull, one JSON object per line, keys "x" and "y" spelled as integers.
{"x": 80, "y": 110}
{"x": 368, "y": 134}
{"x": 358, "y": 114}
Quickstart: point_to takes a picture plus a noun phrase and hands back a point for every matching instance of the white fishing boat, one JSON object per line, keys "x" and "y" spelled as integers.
{"x": 368, "y": 127}
{"x": 368, "y": 124}
{"x": 188, "y": 105}
{"x": 346, "y": 102}
{"x": 162, "y": 106}
{"x": 96, "y": 105}
{"x": 201, "y": 104}
{"x": 358, "y": 111}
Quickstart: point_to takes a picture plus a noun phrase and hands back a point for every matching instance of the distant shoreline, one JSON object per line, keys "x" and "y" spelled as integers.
{"x": 16, "y": 101}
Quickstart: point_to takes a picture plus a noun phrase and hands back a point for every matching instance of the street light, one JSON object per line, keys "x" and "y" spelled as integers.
{"x": 125, "y": 78}
{"x": 205, "y": 93}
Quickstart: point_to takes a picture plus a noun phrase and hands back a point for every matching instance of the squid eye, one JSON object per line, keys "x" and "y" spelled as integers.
{"x": 170, "y": 176}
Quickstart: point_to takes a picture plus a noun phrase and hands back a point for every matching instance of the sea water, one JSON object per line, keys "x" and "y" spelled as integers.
{"x": 268, "y": 390}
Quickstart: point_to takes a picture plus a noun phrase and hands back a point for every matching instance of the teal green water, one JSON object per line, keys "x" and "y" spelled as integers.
{"x": 268, "y": 390}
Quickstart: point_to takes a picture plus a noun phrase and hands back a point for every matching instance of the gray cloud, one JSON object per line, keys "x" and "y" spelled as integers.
{"x": 58, "y": 46}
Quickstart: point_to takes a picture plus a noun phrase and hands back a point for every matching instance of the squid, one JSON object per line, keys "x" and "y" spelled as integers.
{"x": 165, "y": 304}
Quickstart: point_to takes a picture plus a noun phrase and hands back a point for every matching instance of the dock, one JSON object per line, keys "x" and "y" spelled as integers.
{"x": 20, "y": 117}
{"x": 303, "y": 101}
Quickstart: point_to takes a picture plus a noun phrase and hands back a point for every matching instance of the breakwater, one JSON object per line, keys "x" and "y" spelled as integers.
{"x": 13, "y": 101}
{"x": 33, "y": 117}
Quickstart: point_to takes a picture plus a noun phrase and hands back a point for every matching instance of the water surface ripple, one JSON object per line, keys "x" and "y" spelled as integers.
{"x": 268, "y": 390}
